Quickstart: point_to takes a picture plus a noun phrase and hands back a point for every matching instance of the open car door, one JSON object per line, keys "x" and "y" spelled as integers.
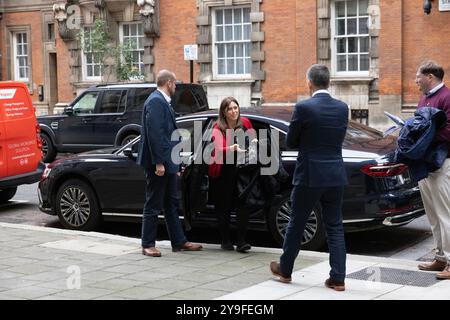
{"x": 195, "y": 180}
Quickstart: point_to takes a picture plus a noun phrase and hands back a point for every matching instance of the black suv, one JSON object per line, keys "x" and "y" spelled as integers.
{"x": 109, "y": 115}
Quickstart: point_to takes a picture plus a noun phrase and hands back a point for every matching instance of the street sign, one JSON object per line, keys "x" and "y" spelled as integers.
{"x": 190, "y": 52}
{"x": 444, "y": 5}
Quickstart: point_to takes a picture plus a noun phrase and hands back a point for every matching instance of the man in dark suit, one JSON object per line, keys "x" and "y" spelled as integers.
{"x": 158, "y": 124}
{"x": 317, "y": 130}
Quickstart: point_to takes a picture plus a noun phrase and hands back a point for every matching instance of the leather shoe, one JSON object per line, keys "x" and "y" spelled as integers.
{"x": 243, "y": 247}
{"x": 445, "y": 274}
{"x": 336, "y": 285}
{"x": 436, "y": 265}
{"x": 187, "y": 246}
{"x": 275, "y": 269}
{"x": 151, "y": 252}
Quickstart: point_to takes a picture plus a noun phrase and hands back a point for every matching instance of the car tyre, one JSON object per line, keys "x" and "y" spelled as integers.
{"x": 128, "y": 138}
{"x": 48, "y": 149}
{"x": 314, "y": 237}
{"x": 7, "y": 194}
{"x": 77, "y": 206}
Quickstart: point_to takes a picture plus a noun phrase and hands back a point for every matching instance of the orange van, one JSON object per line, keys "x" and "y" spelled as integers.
{"x": 20, "y": 144}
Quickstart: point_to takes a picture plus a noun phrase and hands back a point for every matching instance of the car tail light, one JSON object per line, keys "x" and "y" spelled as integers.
{"x": 384, "y": 170}
{"x": 38, "y": 137}
{"x": 39, "y": 142}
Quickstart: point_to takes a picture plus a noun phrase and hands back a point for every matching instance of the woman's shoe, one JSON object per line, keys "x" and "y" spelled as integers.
{"x": 243, "y": 247}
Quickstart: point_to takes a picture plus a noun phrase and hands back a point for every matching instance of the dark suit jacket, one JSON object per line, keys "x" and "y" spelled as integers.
{"x": 318, "y": 129}
{"x": 158, "y": 124}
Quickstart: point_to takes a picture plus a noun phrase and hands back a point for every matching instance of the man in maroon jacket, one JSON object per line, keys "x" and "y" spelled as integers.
{"x": 435, "y": 189}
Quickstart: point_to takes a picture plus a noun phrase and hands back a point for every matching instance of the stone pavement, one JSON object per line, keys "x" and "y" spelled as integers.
{"x": 51, "y": 264}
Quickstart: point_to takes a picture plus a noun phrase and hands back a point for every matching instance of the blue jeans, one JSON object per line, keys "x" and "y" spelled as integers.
{"x": 304, "y": 200}
{"x": 161, "y": 196}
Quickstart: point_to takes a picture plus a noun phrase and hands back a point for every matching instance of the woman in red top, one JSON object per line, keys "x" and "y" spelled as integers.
{"x": 223, "y": 173}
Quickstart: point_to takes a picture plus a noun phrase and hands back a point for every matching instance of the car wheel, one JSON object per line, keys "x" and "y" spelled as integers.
{"x": 128, "y": 138}
{"x": 77, "y": 206}
{"x": 48, "y": 149}
{"x": 7, "y": 194}
{"x": 314, "y": 237}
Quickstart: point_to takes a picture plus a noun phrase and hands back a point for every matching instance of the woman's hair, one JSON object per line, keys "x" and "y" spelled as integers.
{"x": 222, "y": 120}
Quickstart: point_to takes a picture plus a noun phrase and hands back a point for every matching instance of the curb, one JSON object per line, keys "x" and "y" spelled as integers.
{"x": 166, "y": 244}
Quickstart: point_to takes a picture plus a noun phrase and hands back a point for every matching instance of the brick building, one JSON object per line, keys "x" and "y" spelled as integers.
{"x": 256, "y": 50}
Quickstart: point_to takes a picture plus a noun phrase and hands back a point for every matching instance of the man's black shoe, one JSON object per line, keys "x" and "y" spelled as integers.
{"x": 243, "y": 247}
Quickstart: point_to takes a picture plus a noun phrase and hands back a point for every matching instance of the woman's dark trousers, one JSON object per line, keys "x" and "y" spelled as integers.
{"x": 225, "y": 200}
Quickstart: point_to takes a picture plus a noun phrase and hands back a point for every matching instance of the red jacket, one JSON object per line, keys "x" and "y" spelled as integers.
{"x": 221, "y": 146}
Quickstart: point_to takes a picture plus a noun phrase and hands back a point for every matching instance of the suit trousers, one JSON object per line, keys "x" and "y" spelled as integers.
{"x": 435, "y": 192}
{"x": 161, "y": 196}
{"x": 304, "y": 199}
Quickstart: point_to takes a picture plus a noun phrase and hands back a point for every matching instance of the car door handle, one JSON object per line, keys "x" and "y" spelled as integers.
{"x": 85, "y": 120}
{"x": 122, "y": 118}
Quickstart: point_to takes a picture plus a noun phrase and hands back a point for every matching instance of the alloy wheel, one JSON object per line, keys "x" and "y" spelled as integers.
{"x": 284, "y": 216}
{"x": 44, "y": 147}
{"x": 75, "y": 206}
{"x": 128, "y": 139}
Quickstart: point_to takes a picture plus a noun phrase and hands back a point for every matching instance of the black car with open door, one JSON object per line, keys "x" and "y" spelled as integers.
{"x": 84, "y": 189}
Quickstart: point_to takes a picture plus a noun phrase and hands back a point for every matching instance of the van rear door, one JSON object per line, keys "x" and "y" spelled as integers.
{"x": 19, "y": 145}
{"x": 3, "y": 164}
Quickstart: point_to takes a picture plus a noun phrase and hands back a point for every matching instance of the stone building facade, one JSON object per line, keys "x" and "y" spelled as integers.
{"x": 255, "y": 50}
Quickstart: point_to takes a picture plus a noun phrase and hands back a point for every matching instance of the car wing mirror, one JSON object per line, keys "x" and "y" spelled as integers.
{"x": 68, "y": 110}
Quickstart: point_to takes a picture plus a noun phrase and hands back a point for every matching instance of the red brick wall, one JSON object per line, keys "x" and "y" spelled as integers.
{"x": 290, "y": 46}
{"x": 33, "y": 20}
{"x": 424, "y": 37}
{"x": 65, "y": 90}
{"x": 390, "y": 48}
{"x": 178, "y": 27}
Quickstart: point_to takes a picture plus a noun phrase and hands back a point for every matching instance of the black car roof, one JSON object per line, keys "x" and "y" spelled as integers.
{"x": 276, "y": 113}
{"x": 281, "y": 114}
{"x": 133, "y": 85}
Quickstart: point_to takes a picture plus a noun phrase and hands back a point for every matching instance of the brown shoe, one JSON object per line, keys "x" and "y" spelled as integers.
{"x": 275, "y": 269}
{"x": 187, "y": 246}
{"x": 151, "y": 252}
{"x": 444, "y": 275}
{"x": 436, "y": 265}
{"x": 338, "y": 286}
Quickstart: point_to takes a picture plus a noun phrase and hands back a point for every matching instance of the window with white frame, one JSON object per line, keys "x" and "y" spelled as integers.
{"x": 92, "y": 60}
{"x": 21, "y": 52}
{"x": 232, "y": 42}
{"x": 351, "y": 37}
{"x": 132, "y": 38}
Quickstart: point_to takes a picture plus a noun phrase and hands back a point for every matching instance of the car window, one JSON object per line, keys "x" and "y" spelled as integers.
{"x": 282, "y": 141}
{"x": 187, "y": 131}
{"x": 86, "y": 104}
{"x": 188, "y": 99}
{"x": 113, "y": 101}
{"x": 357, "y": 133}
{"x": 140, "y": 95}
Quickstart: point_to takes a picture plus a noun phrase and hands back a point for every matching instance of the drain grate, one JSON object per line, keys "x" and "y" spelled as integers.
{"x": 397, "y": 276}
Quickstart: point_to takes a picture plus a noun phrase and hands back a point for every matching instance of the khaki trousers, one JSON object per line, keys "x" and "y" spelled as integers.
{"x": 435, "y": 192}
